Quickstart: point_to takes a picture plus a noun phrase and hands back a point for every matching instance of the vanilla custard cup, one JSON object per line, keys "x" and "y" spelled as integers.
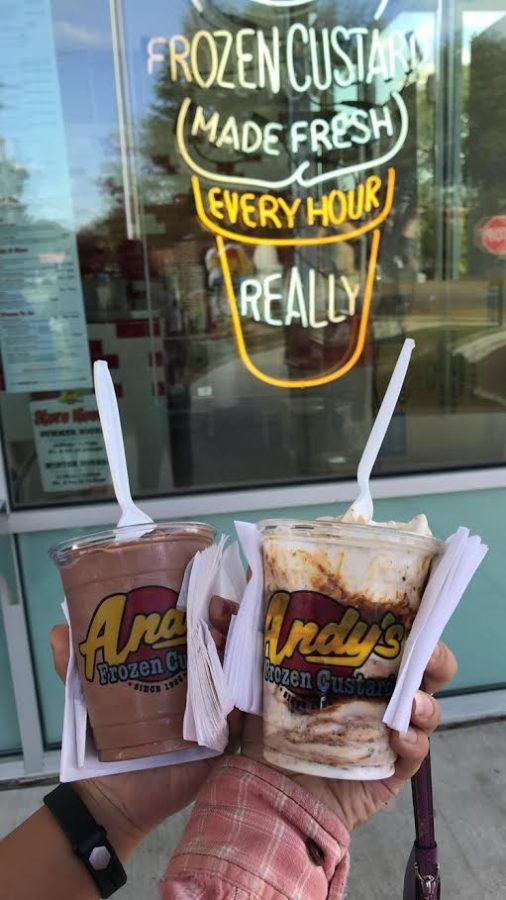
{"x": 129, "y": 634}
{"x": 339, "y": 602}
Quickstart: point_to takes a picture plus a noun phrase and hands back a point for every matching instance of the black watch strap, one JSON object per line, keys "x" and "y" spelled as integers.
{"x": 88, "y": 839}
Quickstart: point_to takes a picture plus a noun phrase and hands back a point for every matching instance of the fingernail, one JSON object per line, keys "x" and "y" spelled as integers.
{"x": 226, "y": 608}
{"x": 410, "y": 737}
{"x": 436, "y": 653}
{"x": 423, "y": 704}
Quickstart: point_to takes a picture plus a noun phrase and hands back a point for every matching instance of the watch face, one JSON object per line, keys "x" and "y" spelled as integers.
{"x": 99, "y": 858}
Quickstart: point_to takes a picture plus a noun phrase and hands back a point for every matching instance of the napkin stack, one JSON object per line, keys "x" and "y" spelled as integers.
{"x": 243, "y": 654}
{"x": 449, "y": 578}
{"x": 214, "y": 571}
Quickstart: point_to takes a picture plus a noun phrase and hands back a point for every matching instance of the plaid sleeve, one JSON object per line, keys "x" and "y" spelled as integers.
{"x": 254, "y": 833}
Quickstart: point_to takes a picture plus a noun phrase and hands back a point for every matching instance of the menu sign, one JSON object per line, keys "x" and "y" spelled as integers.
{"x": 69, "y": 443}
{"x": 310, "y": 171}
{"x": 43, "y": 336}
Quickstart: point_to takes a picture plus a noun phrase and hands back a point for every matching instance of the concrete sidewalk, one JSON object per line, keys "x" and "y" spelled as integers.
{"x": 470, "y": 783}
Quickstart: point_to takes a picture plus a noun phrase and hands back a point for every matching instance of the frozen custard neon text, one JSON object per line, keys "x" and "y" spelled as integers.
{"x": 337, "y": 57}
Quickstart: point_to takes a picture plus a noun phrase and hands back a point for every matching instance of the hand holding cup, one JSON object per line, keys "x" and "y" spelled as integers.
{"x": 355, "y": 802}
{"x": 138, "y": 801}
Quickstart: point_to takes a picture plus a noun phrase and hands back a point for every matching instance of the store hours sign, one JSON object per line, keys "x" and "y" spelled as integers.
{"x": 303, "y": 168}
{"x": 69, "y": 443}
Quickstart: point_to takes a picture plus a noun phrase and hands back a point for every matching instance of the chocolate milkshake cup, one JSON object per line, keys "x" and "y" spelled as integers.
{"x": 339, "y": 600}
{"x": 128, "y": 634}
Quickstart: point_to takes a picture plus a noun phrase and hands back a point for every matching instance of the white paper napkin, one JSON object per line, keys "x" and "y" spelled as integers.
{"x": 449, "y": 578}
{"x": 231, "y": 578}
{"x": 243, "y": 654}
{"x": 208, "y": 702}
{"x": 79, "y": 757}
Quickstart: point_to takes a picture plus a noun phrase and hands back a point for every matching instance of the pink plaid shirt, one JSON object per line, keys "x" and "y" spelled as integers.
{"x": 254, "y": 833}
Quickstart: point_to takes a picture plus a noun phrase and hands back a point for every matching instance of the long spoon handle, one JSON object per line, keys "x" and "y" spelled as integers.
{"x": 113, "y": 435}
{"x": 379, "y": 429}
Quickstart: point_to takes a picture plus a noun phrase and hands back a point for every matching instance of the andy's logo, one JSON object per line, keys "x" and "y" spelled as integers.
{"x": 139, "y": 636}
{"x": 306, "y": 630}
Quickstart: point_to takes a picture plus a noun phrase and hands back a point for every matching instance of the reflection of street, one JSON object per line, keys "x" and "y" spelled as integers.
{"x": 441, "y": 376}
{"x": 269, "y": 435}
{"x": 483, "y": 359}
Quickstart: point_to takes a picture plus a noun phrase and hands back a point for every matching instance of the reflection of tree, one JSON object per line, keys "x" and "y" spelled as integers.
{"x": 15, "y": 217}
{"x": 13, "y": 178}
{"x": 486, "y": 144}
{"x": 33, "y": 252}
{"x": 158, "y": 145}
{"x": 487, "y": 128}
{"x": 164, "y": 178}
{"x": 423, "y": 170}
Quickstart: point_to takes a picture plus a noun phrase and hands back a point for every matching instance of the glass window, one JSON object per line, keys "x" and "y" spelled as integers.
{"x": 245, "y": 207}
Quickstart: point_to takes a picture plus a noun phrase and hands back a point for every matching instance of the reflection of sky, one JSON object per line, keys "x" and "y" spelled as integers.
{"x": 142, "y": 22}
{"x": 424, "y": 26}
{"x": 78, "y": 92}
{"x": 473, "y": 24}
{"x": 84, "y": 56}
{"x": 86, "y": 70}
{"x": 89, "y": 106}
{"x": 30, "y": 114}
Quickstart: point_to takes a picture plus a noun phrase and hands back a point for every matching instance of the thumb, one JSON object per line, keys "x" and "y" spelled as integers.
{"x": 59, "y": 639}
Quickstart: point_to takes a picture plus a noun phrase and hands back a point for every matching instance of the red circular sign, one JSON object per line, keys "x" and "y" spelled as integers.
{"x": 493, "y": 235}
{"x": 152, "y": 603}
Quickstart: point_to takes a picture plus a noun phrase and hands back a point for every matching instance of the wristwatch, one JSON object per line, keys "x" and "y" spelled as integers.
{"x": 88, "y": 839}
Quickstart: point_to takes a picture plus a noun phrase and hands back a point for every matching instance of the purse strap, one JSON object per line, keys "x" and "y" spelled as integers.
{"x": 425, "y": 853}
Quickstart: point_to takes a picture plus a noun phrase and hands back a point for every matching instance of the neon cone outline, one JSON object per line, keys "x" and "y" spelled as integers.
{"x": 307, "y": 382}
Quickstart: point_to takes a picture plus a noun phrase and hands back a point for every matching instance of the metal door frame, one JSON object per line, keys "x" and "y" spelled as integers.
{"x": 18, "y": 646}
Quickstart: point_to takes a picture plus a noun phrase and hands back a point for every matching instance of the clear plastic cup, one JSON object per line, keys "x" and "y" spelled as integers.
{"x": 129, "y": 636}
{"x": 339, "y": 603}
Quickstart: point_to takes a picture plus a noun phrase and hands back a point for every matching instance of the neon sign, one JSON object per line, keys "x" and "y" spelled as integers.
{"x": 323, "y": 176}
{"x": 326, "y": 134}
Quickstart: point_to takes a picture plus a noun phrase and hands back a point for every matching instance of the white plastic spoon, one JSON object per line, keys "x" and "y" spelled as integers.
{"x": 115, "y": 448}
{"x": 362, "y": 507}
